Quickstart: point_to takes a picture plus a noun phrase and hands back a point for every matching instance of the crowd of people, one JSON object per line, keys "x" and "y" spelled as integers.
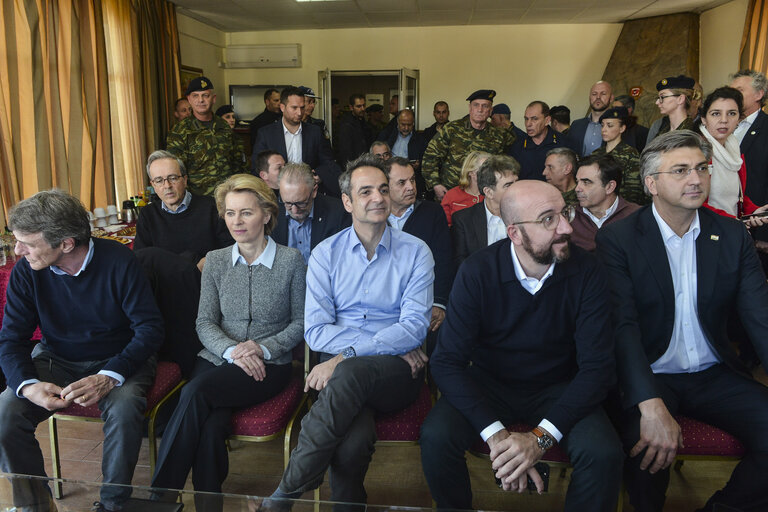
{"x": 580, "y": 277}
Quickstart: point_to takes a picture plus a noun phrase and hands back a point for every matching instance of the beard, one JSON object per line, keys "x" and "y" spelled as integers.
{"x": 546, "y": 256}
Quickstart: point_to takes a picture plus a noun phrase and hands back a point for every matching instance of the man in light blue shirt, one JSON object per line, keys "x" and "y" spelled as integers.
{"x": 368, "y": 304}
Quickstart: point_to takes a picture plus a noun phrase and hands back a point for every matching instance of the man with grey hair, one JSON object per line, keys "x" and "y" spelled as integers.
{"x": 101, "y": 330}
{"x": 677, "y": 272}
{"x": 752, "y": 133}
{"x": 560, "y": 171}
{"x": 305, "y": 218}
{"x": 173, "y": 236}
{"x": 369, "y": 298}
{"x": 381, "y": 150}
{"x": 481, "y": 225}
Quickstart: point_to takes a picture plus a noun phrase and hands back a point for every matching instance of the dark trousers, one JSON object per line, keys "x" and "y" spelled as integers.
{"x": 195, "y": 436}
{"x": 720, "y": 397}
{"x": 592, "y": 445}
{"x": 122, "y": 410}
{"x": 338, "y": 432}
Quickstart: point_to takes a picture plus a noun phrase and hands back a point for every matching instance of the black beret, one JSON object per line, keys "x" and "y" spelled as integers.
{"x": 224, "y": 109}
{"x": 615, "y": 113}
{"x": 675, "y": 82}
{"x": 482, "y": 94}
{"x": 200, "y": 83}
{"x": 501, "y": 108}
{"x": 375, "y": 108}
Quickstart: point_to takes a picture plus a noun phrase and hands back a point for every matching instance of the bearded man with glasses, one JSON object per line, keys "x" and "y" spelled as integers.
{"x": 526, "y": 338}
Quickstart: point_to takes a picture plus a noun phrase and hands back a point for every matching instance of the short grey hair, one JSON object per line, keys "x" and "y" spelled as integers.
{"x": 650, "y": 160}
{"x": 55, "y": 214}
{"x": 162, "y": 154}
{"x": 297, "y": 173}
{"x": 565, "y": 153}
{"x": 759, "y": 81}
{"x": 364, "y": 160}
{"x": 377, "y": 143}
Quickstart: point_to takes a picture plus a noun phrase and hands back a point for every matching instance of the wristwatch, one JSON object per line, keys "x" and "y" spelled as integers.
{"x": 545, "y": 440}
{"x": 348, "y": 352}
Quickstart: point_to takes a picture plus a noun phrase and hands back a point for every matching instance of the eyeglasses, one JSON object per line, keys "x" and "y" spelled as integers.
{"x": 552, "y": 220}
{"x": 661, "y": 98}
{"x": 299, "y": 204}
{"x": 680, "y": 173}
{"x": 172, "y": 179}
{"x": 383, "y": 156}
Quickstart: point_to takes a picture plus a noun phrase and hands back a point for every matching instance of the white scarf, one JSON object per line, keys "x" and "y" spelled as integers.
{"x": 725, "y": 187}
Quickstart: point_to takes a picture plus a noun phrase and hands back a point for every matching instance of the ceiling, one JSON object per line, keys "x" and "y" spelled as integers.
{"x": 247, "y": 15}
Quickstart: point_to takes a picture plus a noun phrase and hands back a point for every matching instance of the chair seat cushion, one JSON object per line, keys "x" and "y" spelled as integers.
{"x": 404, "y": 425}
{"x": 702, "y": 439}
{"x": 556, "y": 454}
{"x": 270, "y": 417}
{"x": 167, "y": 376}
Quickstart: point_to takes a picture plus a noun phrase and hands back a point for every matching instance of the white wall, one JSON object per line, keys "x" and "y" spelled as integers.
{"x": 554, "y": 63}
{"x": 720, "y": 37}
{"x": 201, "y": 47}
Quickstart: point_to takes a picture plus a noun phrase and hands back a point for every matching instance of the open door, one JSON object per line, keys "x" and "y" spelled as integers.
{"x": 409, "y": 92}
{"x": 324, "y": 81}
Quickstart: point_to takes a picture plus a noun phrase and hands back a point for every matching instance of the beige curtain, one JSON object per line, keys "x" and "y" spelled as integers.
{"x": 143, "y": 48}
{"x": 54, "y": 111}
{"x": 753, "y": 53}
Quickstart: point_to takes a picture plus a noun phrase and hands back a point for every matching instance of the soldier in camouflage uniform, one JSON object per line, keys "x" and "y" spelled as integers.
{"x": 445, "y": 154}
{"x": 560, "y": 171}
{"x": 613, "y": 123}
{"x": 206, "y": 144}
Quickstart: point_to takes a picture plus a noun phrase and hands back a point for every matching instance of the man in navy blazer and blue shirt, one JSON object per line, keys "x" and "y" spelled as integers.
{"x": 300, "y": 142}
{"x": 526, "y": 338}
{"x": 304, "y": 218}
{"x": 677, "y": 271}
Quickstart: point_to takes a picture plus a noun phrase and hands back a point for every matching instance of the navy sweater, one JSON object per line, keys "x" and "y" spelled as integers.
{"x": 107, "y": 312}
{"x": 526, "y": 342}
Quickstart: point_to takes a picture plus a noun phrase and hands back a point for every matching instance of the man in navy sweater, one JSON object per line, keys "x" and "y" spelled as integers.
{"x": 526, "y": 339}
{"x": 100, "y": 328}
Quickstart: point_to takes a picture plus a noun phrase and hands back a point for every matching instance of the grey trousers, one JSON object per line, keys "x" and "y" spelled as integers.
{"x": 122, "y": 411}
{"x": 339, "y": 430}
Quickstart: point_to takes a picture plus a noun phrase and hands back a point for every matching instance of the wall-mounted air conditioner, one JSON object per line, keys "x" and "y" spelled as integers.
{"x": 262, "y": 56}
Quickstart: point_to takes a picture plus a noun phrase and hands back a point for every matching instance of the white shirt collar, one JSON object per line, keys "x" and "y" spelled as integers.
{"x": 266, "y": 258}
{"x": 750, "y": 118}
{"x": 668, "y": 234}
{"x": 531, "y": 284}
{"x": 610, "y": 211}
{"x": 489, "y": 217}
{"x": 88, "y": 257}
{"x": 287, "y": 131}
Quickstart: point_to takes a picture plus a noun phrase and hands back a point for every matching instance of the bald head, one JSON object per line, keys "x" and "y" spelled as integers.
{"x": 600, "y": 96}
{"x": 526, "y": 196}
{"x": 405, "y": 122}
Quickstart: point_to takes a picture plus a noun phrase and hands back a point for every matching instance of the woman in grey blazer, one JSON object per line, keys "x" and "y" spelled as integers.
{"x": 251, "y": 316}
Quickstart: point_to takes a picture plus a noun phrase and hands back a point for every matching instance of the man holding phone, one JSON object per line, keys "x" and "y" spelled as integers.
{"x": 526, "y": 339}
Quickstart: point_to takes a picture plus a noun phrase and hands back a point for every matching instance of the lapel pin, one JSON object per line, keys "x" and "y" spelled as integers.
{"x": 753, "y": 132}
{"x": 714, "y": 237}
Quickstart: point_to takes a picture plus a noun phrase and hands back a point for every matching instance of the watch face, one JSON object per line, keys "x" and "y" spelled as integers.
{"x": 545, "y": 442}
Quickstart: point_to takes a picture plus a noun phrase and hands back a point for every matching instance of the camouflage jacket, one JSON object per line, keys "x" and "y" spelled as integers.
{"x": 631, "y": 185}
{"x": 687, "y": 124}
{"x": 447, "y": 150}
{"x": 210, "y": 155}
{"x": 570, "y": 197}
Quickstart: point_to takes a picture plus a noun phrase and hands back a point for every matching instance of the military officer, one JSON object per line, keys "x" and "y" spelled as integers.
{"x": 445, "y": 153}
{"x": 204, "y": 142}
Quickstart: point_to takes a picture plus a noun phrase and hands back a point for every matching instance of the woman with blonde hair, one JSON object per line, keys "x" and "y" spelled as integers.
{"x": 674, "y": 99}
{"x": 250, "y": 318}
{"x": 467, "y": 193}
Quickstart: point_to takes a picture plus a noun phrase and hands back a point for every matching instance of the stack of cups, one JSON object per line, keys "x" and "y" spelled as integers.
{"x": 112, "y": 212}
{"x": 101, "y": 217}
{"x": 92, "y": 219}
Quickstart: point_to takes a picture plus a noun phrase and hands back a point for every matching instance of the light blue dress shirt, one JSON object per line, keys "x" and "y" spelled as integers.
{"x": 400, "y": 148}
{"x": 399, "y": 222}
{"x": 593, "y": 138}
{"x": 183, "y": 206}
{"x": 300, "y": 235}
{"x": 381, "y": 306}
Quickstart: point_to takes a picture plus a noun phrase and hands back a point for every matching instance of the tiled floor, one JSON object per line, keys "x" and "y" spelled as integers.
{"x": 395, "y": 476}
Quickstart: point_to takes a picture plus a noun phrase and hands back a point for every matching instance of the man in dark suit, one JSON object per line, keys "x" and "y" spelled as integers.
{"x": 677, "y": 271}
{"x": 355, "y": 134}
{"x": 480, "y": 225}
{"x": 269, "y": 116}
{"x": 304, "y": 218}
{"x": 300, "y": 142}
{"x": 584, "y": 135}
{"x": 407, "y": 143}
{"x": 424, "y": 220}
{"x": 526, "y": 338}
{"x": 752, "y": 132}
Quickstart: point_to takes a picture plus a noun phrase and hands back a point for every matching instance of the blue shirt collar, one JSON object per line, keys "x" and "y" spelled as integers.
{"x": 266, "y": 258}
{"x": 183, "y": 206}
{"x": 88, "y": 257}
{"x": 385, "y": 242}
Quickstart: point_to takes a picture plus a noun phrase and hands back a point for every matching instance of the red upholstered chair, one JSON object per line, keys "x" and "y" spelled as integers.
{"x": 168, "y": 380}
{"x": 705, "y": 442}
{"x": 277, "y": 416}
